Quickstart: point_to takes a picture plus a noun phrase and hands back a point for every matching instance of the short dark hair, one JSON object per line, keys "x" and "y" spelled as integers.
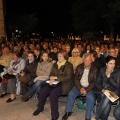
{"x": 31, "y": 52}
{"x": 18, "y": 54}
{"x": 109, "y": 58}
{"x": 65, "y": 55}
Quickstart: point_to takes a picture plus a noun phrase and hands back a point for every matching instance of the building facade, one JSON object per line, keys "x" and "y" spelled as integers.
{"x": 2, "y": 25}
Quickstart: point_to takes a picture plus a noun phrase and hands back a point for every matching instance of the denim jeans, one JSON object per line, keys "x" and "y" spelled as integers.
{"x": 103, "y": 109}
{"x": 90, "y": 98}
{"x": 117, "y": 112}
{"x": 37, "y": 86}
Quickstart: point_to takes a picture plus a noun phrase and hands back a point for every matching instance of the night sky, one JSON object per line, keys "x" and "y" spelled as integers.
{"x": 54, "y": 15}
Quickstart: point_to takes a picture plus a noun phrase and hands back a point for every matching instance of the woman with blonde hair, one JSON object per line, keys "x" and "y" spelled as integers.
{"x": 75, "y": 59}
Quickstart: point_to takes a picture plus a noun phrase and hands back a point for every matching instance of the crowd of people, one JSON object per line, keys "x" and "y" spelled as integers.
{"x": 58, "y": 68}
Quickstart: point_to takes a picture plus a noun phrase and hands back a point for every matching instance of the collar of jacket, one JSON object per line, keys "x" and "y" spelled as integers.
{"x": 33, "y": 62}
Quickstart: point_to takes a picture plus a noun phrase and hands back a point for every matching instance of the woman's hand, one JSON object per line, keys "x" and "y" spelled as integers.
{"x": 10, "y": 72}
{"x": 108, "y": 73}
{"x": 22, "y": 74}
{"x": 53, "y": 77}
{"x": 104, "y": 90}
{"x": 51, "y": 81}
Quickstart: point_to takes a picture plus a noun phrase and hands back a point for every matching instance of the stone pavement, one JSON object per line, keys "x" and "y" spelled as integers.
{"x": 18, "y": 110}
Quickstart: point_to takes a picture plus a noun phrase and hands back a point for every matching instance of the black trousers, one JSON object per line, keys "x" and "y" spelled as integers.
{"x": 54, "y": 93}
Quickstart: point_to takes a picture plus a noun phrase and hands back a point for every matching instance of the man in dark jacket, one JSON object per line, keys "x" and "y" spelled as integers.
{"x": 84, "y": 80}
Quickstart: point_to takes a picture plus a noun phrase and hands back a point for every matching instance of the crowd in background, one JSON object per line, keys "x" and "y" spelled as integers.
{"x": 30, "y": 65}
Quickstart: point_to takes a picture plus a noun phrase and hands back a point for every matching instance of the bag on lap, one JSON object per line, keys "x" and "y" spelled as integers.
{"x": 8, "y": 76}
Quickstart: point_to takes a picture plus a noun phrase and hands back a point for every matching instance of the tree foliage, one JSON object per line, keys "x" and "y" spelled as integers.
{"x": 94, "y": 15}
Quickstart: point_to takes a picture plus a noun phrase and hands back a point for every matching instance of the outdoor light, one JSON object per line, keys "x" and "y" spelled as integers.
{"x": 16, "y": 30}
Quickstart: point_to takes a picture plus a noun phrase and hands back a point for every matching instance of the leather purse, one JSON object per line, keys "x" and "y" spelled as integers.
{"x": 8, "y": 76}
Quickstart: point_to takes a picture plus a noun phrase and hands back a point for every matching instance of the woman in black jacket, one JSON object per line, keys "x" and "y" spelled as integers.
{"x": 108, "y": 80}
{"x": 28, "y": 74}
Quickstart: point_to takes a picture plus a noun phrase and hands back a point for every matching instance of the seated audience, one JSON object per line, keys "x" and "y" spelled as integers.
{"x": 62, "y": 72}
{"x": 16, "y": 65}
{"x": 28, "y": 74}
{"x": 5, "y": 59}
{"x": 87, "y": 49}
{"x": 75, "y": 59}
{"x": 84, "y": 80}
{"x": 53, "y": 55}
{"x": 80, "y": 48}
{"x": 25, "y": 53}
{"x": 68, "y": 49}
{"x": 97, "y": 61}
{"x": 43, "y": 71}
{"x": 37, "y": 54}
{"x": 113, "y": 53}
{"x": 108, "y": 80}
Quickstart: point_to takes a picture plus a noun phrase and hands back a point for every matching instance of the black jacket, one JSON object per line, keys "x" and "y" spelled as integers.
{"x": 112, "y": 83}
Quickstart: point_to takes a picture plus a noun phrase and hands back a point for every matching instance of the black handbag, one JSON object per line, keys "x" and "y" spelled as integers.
{"x": 8, "y": 76}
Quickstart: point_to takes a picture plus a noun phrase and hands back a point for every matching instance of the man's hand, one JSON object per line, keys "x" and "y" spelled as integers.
{"x": 83, "y": 91}
{"x": 53, "y": 77}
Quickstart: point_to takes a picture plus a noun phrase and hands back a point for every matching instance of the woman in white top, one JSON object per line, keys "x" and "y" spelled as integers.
{"x": 16, "y": 65}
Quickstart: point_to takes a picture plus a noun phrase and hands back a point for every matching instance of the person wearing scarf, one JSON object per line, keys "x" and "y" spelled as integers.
{"x": 16, "y": 65}
{"x": 62, "y": 72}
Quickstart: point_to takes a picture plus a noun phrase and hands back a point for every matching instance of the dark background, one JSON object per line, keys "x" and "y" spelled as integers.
{"x": 54, "y": 15}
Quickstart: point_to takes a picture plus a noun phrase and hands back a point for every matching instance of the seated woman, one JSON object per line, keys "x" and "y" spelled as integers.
{"x": 28, "y": 74}
{"x": 16, "y": 65}
{"x": 117, "y": 112}
{"x": 62, "y": 72}
{"x": 43, "y": 71}
{"x": 75, "y": 59}
{"x": 108, "y": 80}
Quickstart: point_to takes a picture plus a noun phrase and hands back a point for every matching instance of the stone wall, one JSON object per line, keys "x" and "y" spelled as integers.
{"x": 2, "y": 28}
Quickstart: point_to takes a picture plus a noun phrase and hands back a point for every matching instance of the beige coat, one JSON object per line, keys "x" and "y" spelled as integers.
{"x": 43, "y": 70}
{"x": 75, "y": 61}
{"x": 5, "y": 60}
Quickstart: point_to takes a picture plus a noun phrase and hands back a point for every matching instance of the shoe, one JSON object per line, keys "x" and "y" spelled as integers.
{"x": 36, "y": 112}
{"x": 87, "y": 119}
{"x": 10, "y": 100}
{"x": 3, "y": 95}
{"x": 67, "y": 114}
{"x": 54, "y": 118}
{"x": 24, "y": 98}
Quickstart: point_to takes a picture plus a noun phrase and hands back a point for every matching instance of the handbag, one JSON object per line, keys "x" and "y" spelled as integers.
{"x": 4, "y": 81}
{"x": 81, "y": 105}
{"x": 8, "y": 76}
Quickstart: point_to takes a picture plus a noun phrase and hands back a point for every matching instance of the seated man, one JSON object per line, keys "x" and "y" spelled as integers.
{"x": 84, "y": 82}
{"x": 5, "y": 60}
